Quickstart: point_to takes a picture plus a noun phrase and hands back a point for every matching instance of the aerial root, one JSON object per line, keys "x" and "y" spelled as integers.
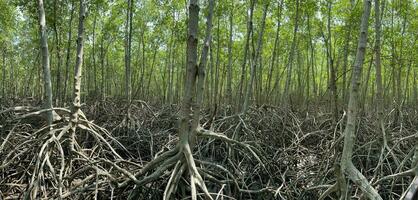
{"x": 53, "y": 174}
{"x": 181, "y": 159}
{"x": 357, "y": 177}
{"x": 178, "y": 170}
{"x": 210, "y": 134}
{"x": 328, "y": 191}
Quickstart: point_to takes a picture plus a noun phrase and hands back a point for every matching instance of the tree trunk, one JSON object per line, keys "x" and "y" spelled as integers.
{"x": 254, "y": 62}
{"x": 345, "y": 55}
{"x": 246, "y": 49}
{"x": 67, "y": 60}
{"x": 217, "y": 76}
{"x": 102, "y": 66}
{"x": 201, "y": 68}
{"x": 45, "y": 62}
{"x": 291, "y": 55}
{"x": 77, "y": 76}
{"x": 128, "y": 36}
{"x": 58, "y": 55}
{"x": 366, "y": 86}
{"x": 347, "y": 167}
{"x": 4, "y": 74}
{"x": 186, "y": 132}
{"x": 415, "y": 88}
{"x": 275, "y": 52}
{"x": 94, "y": 55}
{"x": 230, "y": 45}
{"x": 143, "y": 64}
{"x": 332, "y": 84}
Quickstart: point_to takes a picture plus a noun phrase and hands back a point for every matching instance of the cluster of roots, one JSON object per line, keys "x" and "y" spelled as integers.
{"x": 268, "y": 153}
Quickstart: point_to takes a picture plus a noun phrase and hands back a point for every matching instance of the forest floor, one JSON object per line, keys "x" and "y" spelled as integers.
{"x": 293, "y": 151}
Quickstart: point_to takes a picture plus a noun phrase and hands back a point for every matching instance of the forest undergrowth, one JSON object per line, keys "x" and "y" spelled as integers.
{"x": 274, "y": 153}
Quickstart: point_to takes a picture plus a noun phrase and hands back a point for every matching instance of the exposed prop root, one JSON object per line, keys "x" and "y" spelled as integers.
{"x": 181, "y": 159}
{"x": 53, "y": 175}
{"x": 297, "y": 167}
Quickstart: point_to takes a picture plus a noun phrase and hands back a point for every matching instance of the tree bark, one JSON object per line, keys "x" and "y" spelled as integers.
{"x": 254, "y": 62}
{"x": 128, "y": 36}
{"x": 77, "y": 75}
{"x": 67, "y": 60}
{"x": 201, "y": 68}
{"x": 346, "y": 165}
{"x": 345, "y": 55}
{"x": 246, "y": 50}
{"x": 58, "y": 55}
{"x": 94, "y": 55}
{"x": 230, "y": 45}
{"x": 332, "y": 84}
{"x": 291, "y": 55}
{"x": 4, "y": 74}
{"x": 275, "y": 52}
{"x": 186, "y": 132}
{"x": 217, "y": 76}
{"x": 45, "y": 63}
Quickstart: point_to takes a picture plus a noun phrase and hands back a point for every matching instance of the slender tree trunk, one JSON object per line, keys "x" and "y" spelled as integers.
{"x": 170, "y": 69}
{"x": 201, "y": 68}
{"x": 415, "y": 88}
{"x": 58, "y": 55}
{"x": 186, "y": 132}
{"x": 45, "y": 62}
{"x": 347, "y": 167}
{"x": 246, "y": 50}
{"x": 366, "y": 86}
{"x": 230, "y": 45}
{"x": 4, "y": 74}
{"x": 399, "y": 98}
{"x": 12, "y": 80}
{"x": 217, "y": 77}
{"x": 332, "y": 84}
{"x": 77, "y": 76}
{"x": 254, "y": 62}
{"x": 151, "y": 73}
{"x": 94, "y": 55}
{"x": 406, "y": 89}
{"x": 102, "y": 68}
{"x": 128, "y": 36}
{"x": 67, "y": 60}
{"x": 212, "y": 74}
{"x": 307, "y": 77}
{"x": 345, "y": 57}
{"x": 275, "y": 52}
{"x": 291, "y": 55}
{"x": 143, "y": 64}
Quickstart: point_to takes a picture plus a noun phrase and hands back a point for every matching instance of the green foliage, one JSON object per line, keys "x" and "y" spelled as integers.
{"x": 159, "y": 35}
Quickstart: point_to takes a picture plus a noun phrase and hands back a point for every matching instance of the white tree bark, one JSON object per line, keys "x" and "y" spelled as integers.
{"x": 45, "y": 63}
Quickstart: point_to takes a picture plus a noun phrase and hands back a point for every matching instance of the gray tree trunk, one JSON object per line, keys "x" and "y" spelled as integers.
{"x": 58, "y": 55}
{"x": 230, "y": 45}
{"x": 4, "y": 74}
{"x": 45, "y": 63}
{"x": 68, "y": 53}
{"x": 128, "y": 36}
{"x": 254, "y": 62}
{"x": 275, "y": 52}
{"x": 332, "y": 83}
{"x": 291, "y": 55}
{"x": 93, "y": 55}
{"x": 347, "y": 167}
{"x": 77, "y": 75}
{"x": 246, "y": 50}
